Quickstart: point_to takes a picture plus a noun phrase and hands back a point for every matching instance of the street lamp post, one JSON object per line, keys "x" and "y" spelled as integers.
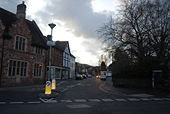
{"x": 52, "y": 25}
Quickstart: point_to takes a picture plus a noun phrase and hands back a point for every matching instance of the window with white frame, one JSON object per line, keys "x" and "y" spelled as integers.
{"x": 37, "y": 70}
{"x": 17, "y": 68}
{"x": 66, "y": 59}
{"x": 39, "y": 50}
{"x": 20, "y": 43}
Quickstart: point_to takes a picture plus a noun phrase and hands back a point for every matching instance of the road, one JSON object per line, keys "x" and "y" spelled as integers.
{"x": 88, "y": 96}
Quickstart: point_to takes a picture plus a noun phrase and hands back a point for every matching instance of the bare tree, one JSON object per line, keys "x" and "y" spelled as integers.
{"x": 142, "y": 29}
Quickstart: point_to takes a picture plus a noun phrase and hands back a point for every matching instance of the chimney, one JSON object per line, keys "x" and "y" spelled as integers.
{"x": 21, "y": 11}
{"x": 49, "y": 37}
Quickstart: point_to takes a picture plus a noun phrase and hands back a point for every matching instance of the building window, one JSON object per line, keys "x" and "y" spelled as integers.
{"x": 37, "y": 70}
{"x": 17, "y": 68}
{"x": 66, "y": 59}
{"x": 38, "y": 50}
{"x": 20, "y": 43}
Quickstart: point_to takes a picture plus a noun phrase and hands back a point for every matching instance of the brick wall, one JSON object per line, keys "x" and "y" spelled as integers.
{"x": 21, "y": 28}
{"x": 57, "y": 57}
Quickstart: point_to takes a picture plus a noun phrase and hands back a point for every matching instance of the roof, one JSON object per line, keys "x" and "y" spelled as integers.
{"x": 61, "y": 45}
{"x": 9, "y": 18}
{"x": 72, "y": 55}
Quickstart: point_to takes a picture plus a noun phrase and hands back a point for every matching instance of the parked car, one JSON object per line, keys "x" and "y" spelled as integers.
{"x": 103, "y": 77}
{"x": 79, "y": 77}
{"x": 84, "y": 76}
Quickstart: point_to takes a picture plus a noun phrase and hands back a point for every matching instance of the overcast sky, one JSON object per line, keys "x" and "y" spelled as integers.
{"x": 76, "y": 21}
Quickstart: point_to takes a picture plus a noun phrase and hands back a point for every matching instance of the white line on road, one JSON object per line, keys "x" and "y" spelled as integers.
{"x": 34, "y": 102}
{"x": 2, "y": 102}
{"x": 107, "y": 100}
{"x": 60, "y": 83}
{"x": 16, "y": 102}
{"x": 64, "y": 90}
{"x": 80, "y": 100}
{"x": 133, "y": 99}
{"x": 166, "y": 99}
{"x": 157, "y": 99}
{"x": 77, "y": 106}
{"x": 66, "y": 101}
{"x": 120, "y": 100}
{"x": 145, "y": 99}
{"x": 93, "y": 100}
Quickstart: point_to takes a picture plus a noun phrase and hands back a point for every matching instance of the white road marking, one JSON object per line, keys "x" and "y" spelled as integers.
{"x": 52, "y": 100}
{"x": 70, "y": 86}
{"x": 16, "y": 102}
{"x": 107, "y": 100}
{"x": 2, "y": 102}
{"x": 64, "y": 90}
{"x": 60, "y": 83}
{"x": 66, "y": 101}
{"x": 34, "y": 102}
{"x": 120, "y": 99}
{"x": 145, "y": 99}
{"x": 157, "y": 99}
{"x": 94, "y": 100}
{"x": 79, "y": 106}
{"x": 133, "y": 99}
{"x": 166, "y": 99}
{"x": 80, "y": 100}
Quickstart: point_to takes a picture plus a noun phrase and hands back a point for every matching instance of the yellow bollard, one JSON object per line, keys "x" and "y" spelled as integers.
{"x": 48, "y": 87}
{"x": 53, "y": 84}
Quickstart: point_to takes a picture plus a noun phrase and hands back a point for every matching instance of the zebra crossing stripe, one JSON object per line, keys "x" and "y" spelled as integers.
{"x": 107, "y": 100}
{"x": 93, "y": 100}
{"x": 80, "y": 100}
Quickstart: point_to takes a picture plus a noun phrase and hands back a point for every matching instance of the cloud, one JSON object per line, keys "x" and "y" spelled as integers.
{"x": 77, "y": 14}
{"x": 93, "y": 46}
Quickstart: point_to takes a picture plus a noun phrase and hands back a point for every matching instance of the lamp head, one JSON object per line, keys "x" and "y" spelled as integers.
{"x": 52, "y": 25}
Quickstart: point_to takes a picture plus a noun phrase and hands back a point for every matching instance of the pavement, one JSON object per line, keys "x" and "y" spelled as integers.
{"x": 40, "y": 87}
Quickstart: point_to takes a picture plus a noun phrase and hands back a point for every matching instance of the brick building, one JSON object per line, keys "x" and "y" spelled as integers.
{"x": 22, "y": 49}
{"x": 24, "y": 54}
